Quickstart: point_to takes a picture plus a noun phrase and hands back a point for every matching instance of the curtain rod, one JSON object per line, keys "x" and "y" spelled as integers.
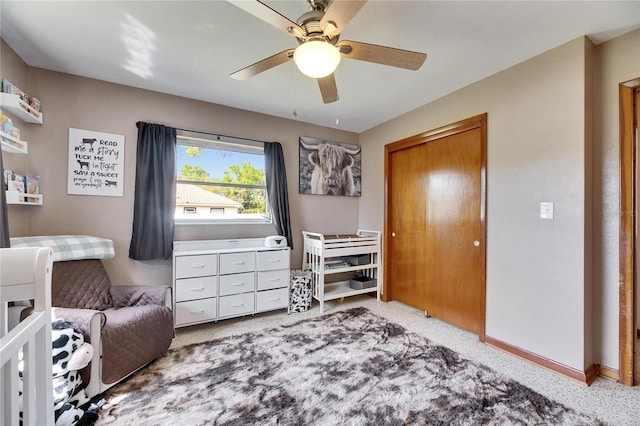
{"x": 219, "y": 135}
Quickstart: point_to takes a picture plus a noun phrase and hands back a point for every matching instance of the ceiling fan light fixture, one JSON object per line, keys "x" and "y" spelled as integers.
{"x": 316, "y": 58}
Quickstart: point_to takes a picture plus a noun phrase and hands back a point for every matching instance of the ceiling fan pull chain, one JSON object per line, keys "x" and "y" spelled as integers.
{"x": 337, "y": 112}
{"x": 295, "y": 92}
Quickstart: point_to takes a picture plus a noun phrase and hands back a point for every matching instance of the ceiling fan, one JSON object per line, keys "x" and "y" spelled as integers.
{"x": 319, "y": 50}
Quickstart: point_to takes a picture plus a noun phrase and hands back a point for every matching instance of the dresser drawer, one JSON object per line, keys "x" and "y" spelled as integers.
{"x": 272, "y": 299}
{"x": 195, "y": 288}
{"x": 238, "y": 304}
{"x": 237, "y": 283}
{"x": 196, "y": 266}
{"x": 268, "y": 280}
{"x": 273, "y": 259}
{"x": 195, "y": 311}
{"x": 233, "y": 263}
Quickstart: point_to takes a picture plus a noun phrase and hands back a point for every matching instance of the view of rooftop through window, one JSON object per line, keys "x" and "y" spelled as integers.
{"x": 220, "y": 181}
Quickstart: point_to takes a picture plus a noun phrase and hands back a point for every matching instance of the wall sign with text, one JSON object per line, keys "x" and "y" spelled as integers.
{"x": 96, "y": 163}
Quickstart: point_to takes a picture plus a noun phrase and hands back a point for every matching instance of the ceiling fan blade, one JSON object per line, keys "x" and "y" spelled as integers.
{"x": 263, "y": 65}
{"x": 338, "y": 15}
{"x": 381, "y": 54}
{"x": 270, "y": 16}
{"x": 328, "y": 89}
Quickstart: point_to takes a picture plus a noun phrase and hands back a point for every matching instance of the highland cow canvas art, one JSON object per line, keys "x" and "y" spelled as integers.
{"x": 329, "y": 168}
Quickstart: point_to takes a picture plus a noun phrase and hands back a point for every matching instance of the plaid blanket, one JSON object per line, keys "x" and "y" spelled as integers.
{"x": 70, "y": 247}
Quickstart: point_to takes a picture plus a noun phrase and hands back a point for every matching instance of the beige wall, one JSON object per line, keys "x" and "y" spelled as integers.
{"x": 552, "y": 287}
{"x": 69, "y": 101}
{"x": 536, "y": 285}
{"x": 15, "y": 70}
{"x": 618, "y": 61}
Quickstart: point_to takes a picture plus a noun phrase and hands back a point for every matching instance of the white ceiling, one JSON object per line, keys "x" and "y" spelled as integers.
{"x": 189, "y": 48}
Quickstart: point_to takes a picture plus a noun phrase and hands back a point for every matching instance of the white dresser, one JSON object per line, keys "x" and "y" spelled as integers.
{"x": 219, "y": 279}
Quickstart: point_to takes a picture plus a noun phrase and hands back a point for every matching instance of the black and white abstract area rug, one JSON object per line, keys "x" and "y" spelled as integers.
{"x": 345, "y": 368}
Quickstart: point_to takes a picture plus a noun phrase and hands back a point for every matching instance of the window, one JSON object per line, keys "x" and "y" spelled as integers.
{"x": 220, "y": 179}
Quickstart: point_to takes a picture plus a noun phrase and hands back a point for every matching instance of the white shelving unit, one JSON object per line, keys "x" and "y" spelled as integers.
{"x": 15, "y": 106}
{"x": 327, "y": 255}
{"x": 20, "y": 109}
{"x": 13, "y": 145}
{"x": 15, "y": 197}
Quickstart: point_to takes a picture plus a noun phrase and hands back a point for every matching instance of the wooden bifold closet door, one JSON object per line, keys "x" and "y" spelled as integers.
{"x": 434, "y": 224}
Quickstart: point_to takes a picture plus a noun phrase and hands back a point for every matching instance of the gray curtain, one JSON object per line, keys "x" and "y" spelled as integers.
{"x": 276, "y": 176}
{"x": 155, "y": 197}
{"x": 4, "y": 217}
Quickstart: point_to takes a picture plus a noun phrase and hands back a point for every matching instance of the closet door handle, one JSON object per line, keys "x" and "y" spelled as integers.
{"x": 476, "y": 243}
{"x": 393, "y": 234}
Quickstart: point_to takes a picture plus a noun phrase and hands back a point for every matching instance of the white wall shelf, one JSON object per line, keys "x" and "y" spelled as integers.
{"x": 15, "y": 106}
{"x": 15, "y": 197}
{"x": 22, "y": 110}
{"x": 13, "y": 145}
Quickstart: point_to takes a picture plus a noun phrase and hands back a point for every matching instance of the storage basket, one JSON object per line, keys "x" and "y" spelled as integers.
{"x": 300, "y": 292}
{"x": 360, "y": 283}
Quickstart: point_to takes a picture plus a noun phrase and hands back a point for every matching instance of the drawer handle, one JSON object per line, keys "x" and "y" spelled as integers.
{"x": 274, "y": 260}
{"x": 274, "y": 299}
{"x": 198, "y": 289}
{"x": 237, "y": 284}
{"x": 200, "y": 311}
{"x": 196, "y": 266}
{"x": 238, "y": 305}
{"x": 274, "y": 279}
{"x": 240, "y": 262}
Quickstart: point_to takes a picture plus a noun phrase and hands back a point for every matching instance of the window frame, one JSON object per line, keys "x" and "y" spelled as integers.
{"x": 223, "y": 143}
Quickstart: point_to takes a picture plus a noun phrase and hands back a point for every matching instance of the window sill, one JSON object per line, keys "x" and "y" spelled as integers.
{"x": 181, "y": 222}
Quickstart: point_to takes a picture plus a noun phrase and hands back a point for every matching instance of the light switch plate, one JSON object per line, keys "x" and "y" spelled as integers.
{"x": 546, "y": 210}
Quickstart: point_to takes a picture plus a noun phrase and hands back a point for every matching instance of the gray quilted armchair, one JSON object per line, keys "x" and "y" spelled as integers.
{"x": 128, "y": 325}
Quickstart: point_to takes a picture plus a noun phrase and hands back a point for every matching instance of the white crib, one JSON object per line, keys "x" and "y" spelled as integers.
{"x": 25, "y": 273}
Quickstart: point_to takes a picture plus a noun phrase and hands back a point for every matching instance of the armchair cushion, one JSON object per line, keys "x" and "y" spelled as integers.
{"x": 132, "y": 337}
{"x": 138, "y": 295}
{"x": 81, "y": 284}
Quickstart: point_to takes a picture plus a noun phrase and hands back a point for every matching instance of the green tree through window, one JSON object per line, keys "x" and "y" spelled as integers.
{"x": 235, "y": 173}
{"x": 194, "y": 173}
{"x": 245, "y": 174}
